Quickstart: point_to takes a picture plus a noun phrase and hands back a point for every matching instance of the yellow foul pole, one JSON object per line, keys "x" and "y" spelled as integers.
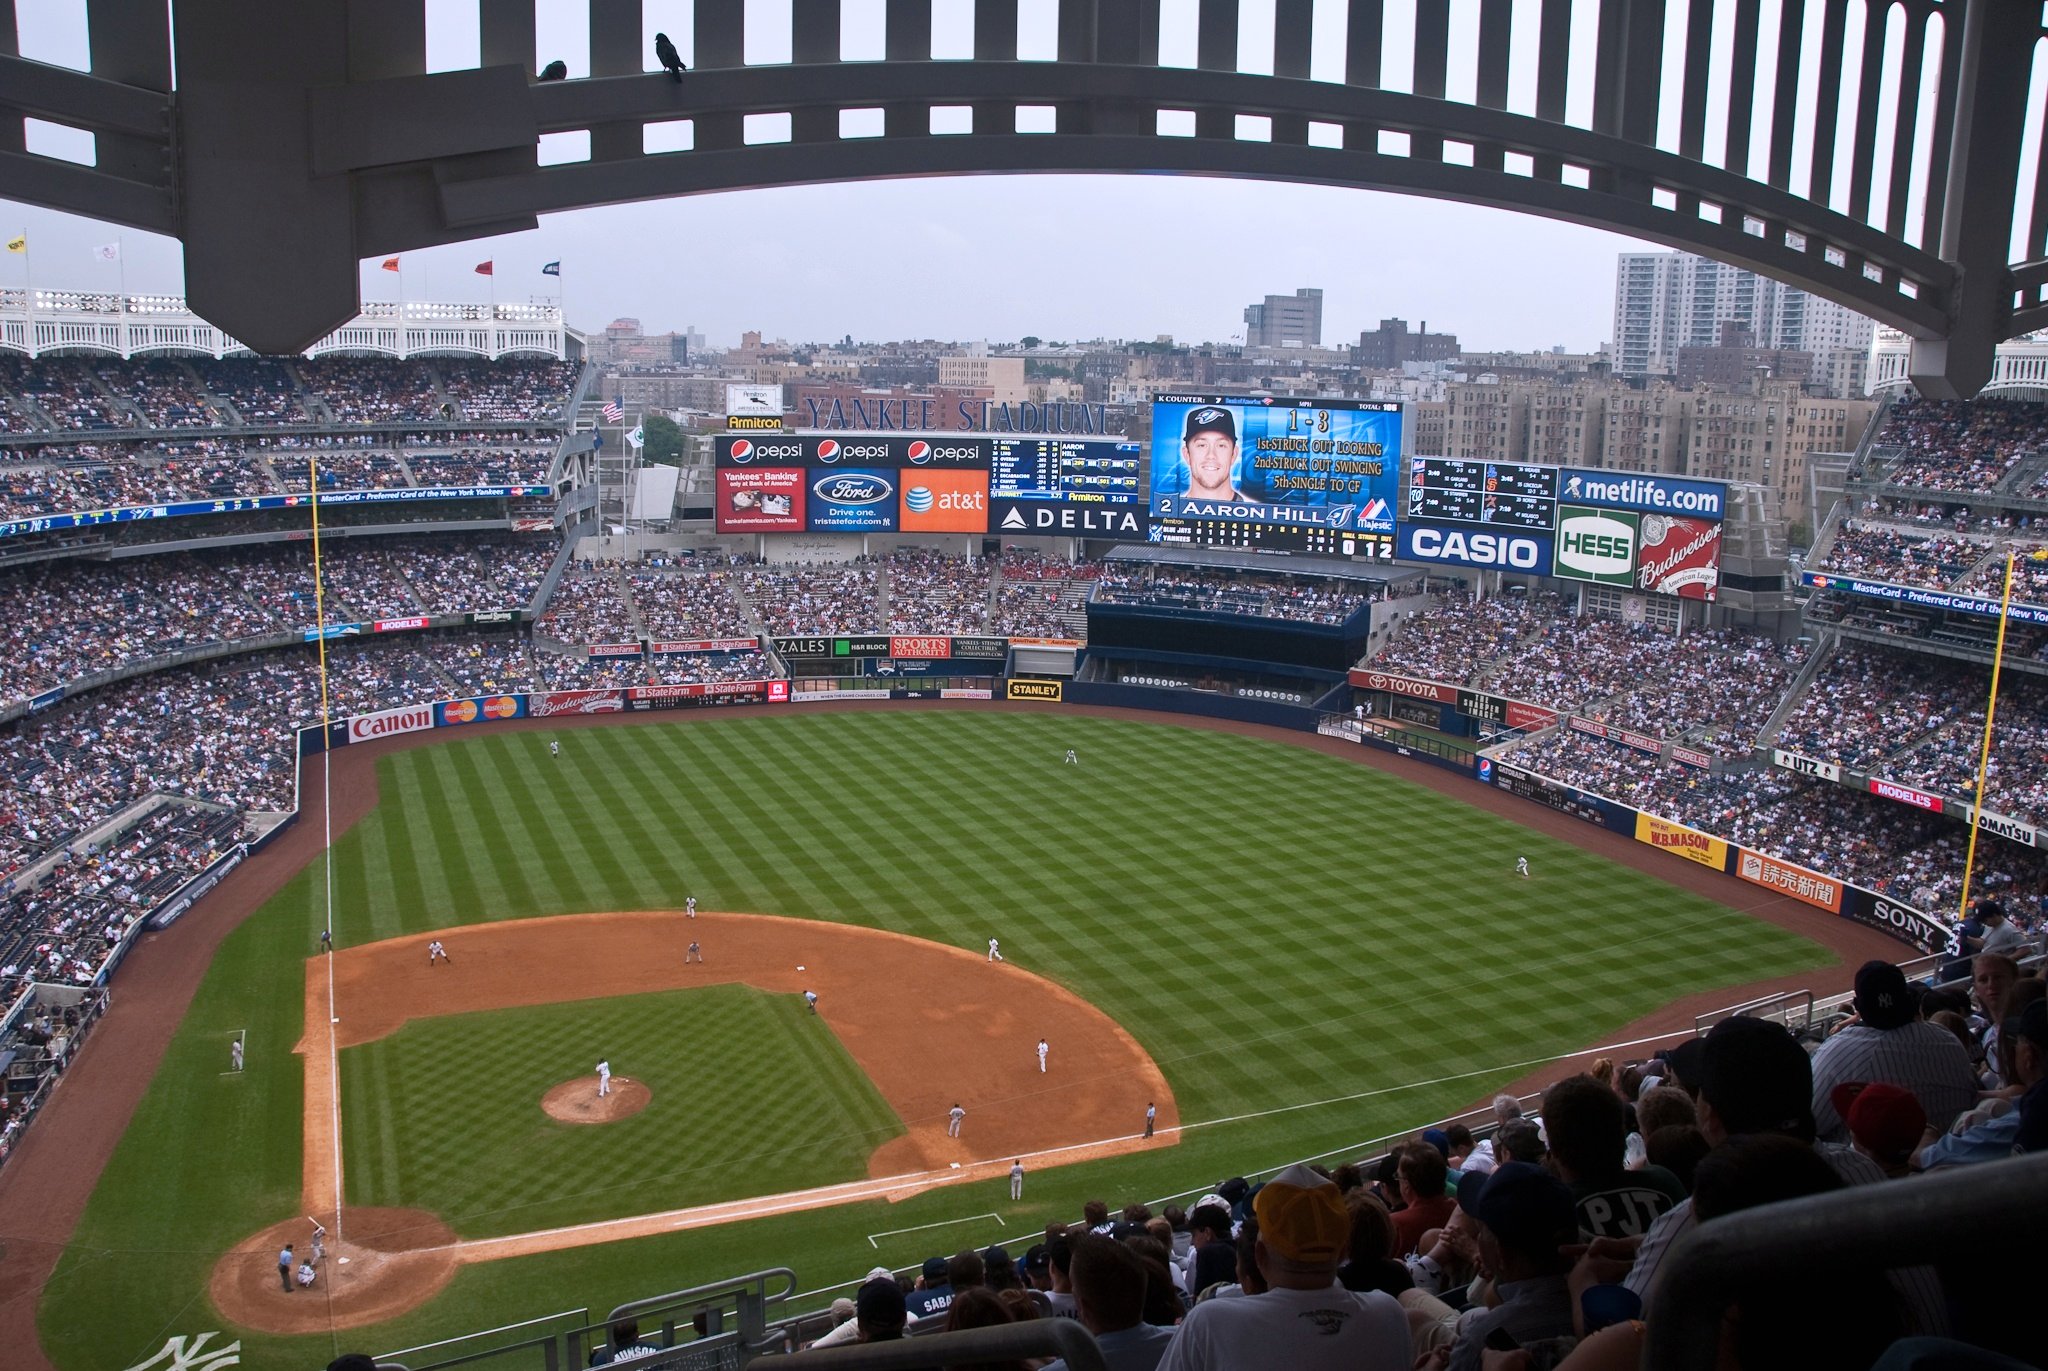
{"x": 1984, "y": 753}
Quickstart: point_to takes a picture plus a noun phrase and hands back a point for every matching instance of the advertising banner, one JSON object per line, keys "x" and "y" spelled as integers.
{"x": 933, "y": 451}
{"x": 1645, "y": 494}
{"x": 1905, "y": 795}
{"x": 942, "y": 501}
{"x": 924, "y": 648}
{"x": 1903, "y": 922}
{"x": 851, "y": 500}
{"x": 1822, "y": 892}
{"x": 1565, "y": 799}
{"x": 450, "y": 713}
{"x": 1806, "y": 766}
{"x": 694, "y": 695}
{"x": 778, "y": 691}
{"x": 2003, "y": 826}
{"x": 1641, "y": 742}
{"x": 547, "y": 705}
{"x": 1072, "y": 517}
{"x": 958, "y": 693}
{"x": 614, "y": 649}
{"x": 1915, "y": 595}
{"x": 1048, "y": 691}
{"x": 494, "y": 616}
{"x": 314, "y": 635}
{"x": 1679, "y": 557}
{"x": 1688, "y": 843}
{"x": 704, "y": 645}
{"x": 984, "y": 649}
{"x": 1529, "y": 717}
{"x": 387, "y": 722}
{"x": 1595, "y": 545}
{"x": 760, "y": 500}
{"x": 399, "y": 625}
{"x": 38, "y": 703}
{"x": 804, "y": 697}
{"x": 533, "y": 525}
{"x": 1685, "y": 756}
{"x": 1498, "y": 549}
{"x": 178, "y": 509}
{"x": 1403, "y": 685}
{"x": 754, "y": 401}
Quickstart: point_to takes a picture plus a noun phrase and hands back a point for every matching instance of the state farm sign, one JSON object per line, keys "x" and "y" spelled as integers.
{"x": 387, "y": 722}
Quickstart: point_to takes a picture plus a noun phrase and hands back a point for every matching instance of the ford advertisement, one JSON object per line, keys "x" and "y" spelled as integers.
{"x": 854, "y": 500}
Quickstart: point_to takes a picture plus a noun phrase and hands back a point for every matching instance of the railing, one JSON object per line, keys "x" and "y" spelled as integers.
{"x": 1064, "y": 1338}
{"x": 1793, "y": 1008}
{"x": 396, "y": 1359}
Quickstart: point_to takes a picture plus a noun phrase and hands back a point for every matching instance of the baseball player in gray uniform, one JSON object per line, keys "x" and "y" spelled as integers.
{"x": 953, "y": 1118}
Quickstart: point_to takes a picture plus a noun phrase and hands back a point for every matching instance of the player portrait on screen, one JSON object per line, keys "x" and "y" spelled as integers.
{"x": 1208, "y": 446}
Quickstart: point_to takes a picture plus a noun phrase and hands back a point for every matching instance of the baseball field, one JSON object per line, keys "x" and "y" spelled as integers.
{"x": 1289, "y": 952}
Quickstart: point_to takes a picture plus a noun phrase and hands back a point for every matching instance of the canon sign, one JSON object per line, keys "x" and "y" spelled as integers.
{"x": 388, "y": 722}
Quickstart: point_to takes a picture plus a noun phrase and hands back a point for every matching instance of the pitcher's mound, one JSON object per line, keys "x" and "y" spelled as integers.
{"x": 577, "y": 1101}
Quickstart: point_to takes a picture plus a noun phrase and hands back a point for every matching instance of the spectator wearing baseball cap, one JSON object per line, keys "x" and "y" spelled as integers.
{"x": 1891, "y": 1043}
{"x": 1305, "y": 1321}
{"x": 1525, "y": 1217}
{"x": 1885, "y": 1122}
{"x": 879, "y": 1310}
{"x": 934, "y": 1292}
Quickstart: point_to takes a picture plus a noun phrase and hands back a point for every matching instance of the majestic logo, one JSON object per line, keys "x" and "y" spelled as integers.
{"x": 844, "y": 489}
{"x": 918, "y": 499}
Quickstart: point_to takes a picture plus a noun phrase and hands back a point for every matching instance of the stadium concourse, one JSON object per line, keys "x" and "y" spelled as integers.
{"x": 162, "y": 666}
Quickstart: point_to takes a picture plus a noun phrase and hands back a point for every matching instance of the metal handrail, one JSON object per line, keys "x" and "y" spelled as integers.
{"x": 1979, "y": 1214}
{"x": 1036, "y": 1338}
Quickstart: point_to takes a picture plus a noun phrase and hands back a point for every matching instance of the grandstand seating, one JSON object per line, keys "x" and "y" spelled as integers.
{"x": 1263, "y": 595}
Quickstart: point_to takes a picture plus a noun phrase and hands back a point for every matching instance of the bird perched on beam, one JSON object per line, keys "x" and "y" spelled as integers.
{"x": 671, "y": 60}
{"x": 556, "y": 70}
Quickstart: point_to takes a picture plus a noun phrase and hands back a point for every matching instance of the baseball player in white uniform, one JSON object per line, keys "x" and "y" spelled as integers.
{"x": 1017, "y": 1179}
{"x": 995, "y": 953}
{"x": 554, "y": 749}
{"x": 1073, "y": 758}
{"x": 690, "y": 907}
{"x": 438, "y": 953}
{"x": 1522, "y": 867}
{"x": 319, "y": 1241}
{"x": 953, "y": 1118}
{"x": 604, "y": 1078}
{"x": 235, "y": 1055}
{"x": 811, "y": 999}
{"x": 1042, "y": 1050}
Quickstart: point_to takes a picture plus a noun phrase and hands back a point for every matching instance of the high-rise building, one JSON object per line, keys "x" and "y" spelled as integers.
{"x": 1664, "y": 301}
{"x": 1391, "y": 344}
{"x": 1286, "y": 321}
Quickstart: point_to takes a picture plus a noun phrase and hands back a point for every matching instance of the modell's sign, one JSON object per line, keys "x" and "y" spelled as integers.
{"x": 387, "y": 722}
{"x": 1403, "y": 685}
{"x": 1906, "y": 795}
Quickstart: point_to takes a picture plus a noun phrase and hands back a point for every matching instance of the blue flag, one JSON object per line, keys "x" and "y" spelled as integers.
{"x": 552, "y": 269}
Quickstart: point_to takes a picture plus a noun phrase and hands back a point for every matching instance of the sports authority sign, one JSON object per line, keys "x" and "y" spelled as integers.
{"x": 1823, "y": 892}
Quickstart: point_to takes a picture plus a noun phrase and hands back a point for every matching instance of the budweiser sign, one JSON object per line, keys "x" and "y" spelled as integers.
{"x": 1906, "y": 795}
{"x": 575, "y": 702}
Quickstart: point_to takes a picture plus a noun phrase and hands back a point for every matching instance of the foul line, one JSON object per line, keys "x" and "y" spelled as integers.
{"x": 942, "y": 1223}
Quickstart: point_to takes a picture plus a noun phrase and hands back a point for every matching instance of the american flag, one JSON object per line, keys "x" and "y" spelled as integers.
{"x": 612, "y": 412}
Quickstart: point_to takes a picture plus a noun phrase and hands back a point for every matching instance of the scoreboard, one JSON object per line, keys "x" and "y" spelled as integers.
{"x": 1274, "y": 537}
{"x": 1489, "y": 494}
{"x": 1096, "y": 471}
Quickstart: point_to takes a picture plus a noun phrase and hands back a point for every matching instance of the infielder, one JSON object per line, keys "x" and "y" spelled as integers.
{"x": 811, "y": 999}
{"x": 235, "y": 1055}
{"x": 1522, "y": 867}
{"x": 1151, "y": 1113}
{"x": 995, "y": 953}
{"x": 604, "y": 1078}
{"x": 1042, "y": 1050}
{"x": 690, "y": 907}
{"x": 1073, "y": 759}
{"x": 953, "y": 1118}
{"x": 327, "y": 940}
{"x": 695, "y": 954}
{"x": 1017, "y": 1179}
{"x": 438, "y": 953}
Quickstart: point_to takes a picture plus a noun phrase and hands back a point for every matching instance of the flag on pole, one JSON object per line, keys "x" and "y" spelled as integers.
{"x": 108, "y": 252}
{"x": 483, "y": 268}
{"x": 18, "y": 244}
{"x": 552, "y": 269}
{"x": 636, "y": 437}
{"x": 391, "y": 264}
{"x": 612, "y": 412}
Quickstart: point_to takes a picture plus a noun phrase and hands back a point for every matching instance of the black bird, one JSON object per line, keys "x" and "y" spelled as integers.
{"x": 557, "y": 70}
{"x": 671, "y": 60}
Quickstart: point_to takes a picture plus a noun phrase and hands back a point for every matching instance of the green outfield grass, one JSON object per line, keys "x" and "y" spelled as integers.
{"x": 445, "y": 1113}
{"x": 1276, "y": 926}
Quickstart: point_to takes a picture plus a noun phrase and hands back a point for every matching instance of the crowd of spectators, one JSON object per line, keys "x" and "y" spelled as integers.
{"x": 704, "y": 668}
{"x": 163, "y": 391}
{"x": 1041, "y": 597}
{"x": 1261, "y": 595}
{"x": 588, "y": 606}
{"x": 1861, "y": 548}
{"x": 559, "y": 672}
{"x": 508, "y": 391}
{"x": 814, "y": 597}
{"x": 1457, "y": 639}
{"x": 1960, "y": 445}
{"x": 930, "y": 592}
{"x": 480, "y": 466}
{"x": 678, "y": 605}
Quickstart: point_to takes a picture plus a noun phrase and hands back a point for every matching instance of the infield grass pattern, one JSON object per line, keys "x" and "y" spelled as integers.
{"x": 1276, "y": 926}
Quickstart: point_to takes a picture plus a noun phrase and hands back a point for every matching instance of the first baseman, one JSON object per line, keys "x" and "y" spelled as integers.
{"x": 1042, "y": 1050}
{"x": 953, "y": 1118}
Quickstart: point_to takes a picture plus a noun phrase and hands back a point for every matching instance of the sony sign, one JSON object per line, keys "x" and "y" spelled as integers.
{"x": 1528, "y": 552}
{"x": 1906, "y": 923}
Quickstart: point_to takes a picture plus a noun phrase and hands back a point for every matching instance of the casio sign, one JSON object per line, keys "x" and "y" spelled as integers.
{"x": 845, "y": 489}
{"x": 1595, "y": 544}
{"x": 1477, "y": 549}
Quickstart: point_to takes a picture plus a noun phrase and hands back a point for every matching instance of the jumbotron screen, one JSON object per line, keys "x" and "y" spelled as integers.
{"x": 1276, "y": 474}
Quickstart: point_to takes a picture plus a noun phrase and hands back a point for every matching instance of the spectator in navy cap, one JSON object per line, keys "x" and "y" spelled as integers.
{"x": 934, "y": 1292}
{"x": 879, "y": 1311}
{"x": 1892, "y": 1044}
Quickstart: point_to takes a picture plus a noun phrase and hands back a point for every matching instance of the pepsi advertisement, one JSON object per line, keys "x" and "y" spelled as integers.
{"x": 1323, "y": 473}
{"x": 861, "y": 451}
{"x": 851, "y": 500}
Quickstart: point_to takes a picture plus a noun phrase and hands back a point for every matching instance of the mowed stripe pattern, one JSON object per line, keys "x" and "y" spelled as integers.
{"x": 445, "y": 1114}
{"x": 1274, "y": 925}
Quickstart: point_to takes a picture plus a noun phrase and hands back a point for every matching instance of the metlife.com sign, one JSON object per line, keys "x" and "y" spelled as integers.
{"x": 1647, "y": 494}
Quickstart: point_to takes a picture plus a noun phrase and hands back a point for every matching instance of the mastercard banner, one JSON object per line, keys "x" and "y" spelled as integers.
{"x": 484, "y": 708}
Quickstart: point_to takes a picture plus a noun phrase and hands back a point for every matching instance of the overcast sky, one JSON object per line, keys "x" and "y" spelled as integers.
{"x": 994, "y": 258}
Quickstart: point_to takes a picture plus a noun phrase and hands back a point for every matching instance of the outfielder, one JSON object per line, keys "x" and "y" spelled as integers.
{"x": 1017, "y": 1179}
{"x": 604, "y": 1078}
{"x": 690, "y": 907}
{"x": 1042, "y": 1050}
{"x": 235, "y": 1055}
{"x": 1522, "y": 867}
{"x": 554, "y": 749}
{"x": 1073, "y": 759}
{"x": 995, "y": 953}
{"x": 695, "y": 954}
{"x": 953, "y": 1118}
